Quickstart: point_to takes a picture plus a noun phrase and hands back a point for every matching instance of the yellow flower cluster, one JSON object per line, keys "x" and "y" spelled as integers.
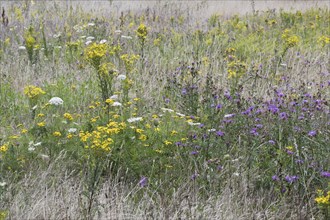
{"x": 30, "y": 41}
{"x": 323, "y": 200}
{"x": 68, "y": 116}
{"x": 57, "y": 134}
{"x": 142, "y": 32}
{"x": 33, "y": 92}
{"x": 106, "y": 69}
{"x": 236, "y": 69}
{"x": 323, "y": 40}
{"x": 129, "y": 61}
{"x": 290, "y": 40}
{"x": 100, "y": 138}
{"x": 95, "y": 52}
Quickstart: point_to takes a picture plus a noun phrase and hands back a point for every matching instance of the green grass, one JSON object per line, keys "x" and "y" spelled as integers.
{"x": 226, "y": 118}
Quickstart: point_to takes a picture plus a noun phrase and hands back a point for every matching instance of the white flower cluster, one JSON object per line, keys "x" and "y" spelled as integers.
{"x": 131, "y": 120}
{"x": 56, "y": 101}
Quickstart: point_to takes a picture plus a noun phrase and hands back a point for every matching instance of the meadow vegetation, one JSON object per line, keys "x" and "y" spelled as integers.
{"x": 155, "y": 115}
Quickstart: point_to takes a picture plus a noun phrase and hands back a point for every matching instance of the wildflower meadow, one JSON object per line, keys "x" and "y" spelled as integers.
{"x": 152, "y": 114}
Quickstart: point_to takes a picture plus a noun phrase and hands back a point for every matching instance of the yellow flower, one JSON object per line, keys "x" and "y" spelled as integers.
{"x": 69, "y": 136}
{"x": 174, "y": 132}
{"x": 57, "y": 134}
{"x": 41, "y": 124}
{"x": 323, "y": 40}
{"x": 166, "y": 142}
{"x": 109, "y": 101}
{"x": 40, "y": 115}
{"x": 4, "y": 148}
{"x": 33, "y": 92}
{"x": 115, "y": 116}
{"x": 140, "y": 131}
{"x": 143, "y": 137}
{"x": 142, "y": 32}
{"x": 23, "y": 131}
{"x": 68, "y": 116}
{"x": 95, "y": 52}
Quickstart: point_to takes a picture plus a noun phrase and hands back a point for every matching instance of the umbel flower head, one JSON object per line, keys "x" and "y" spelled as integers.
{"x": 56, "y": 101}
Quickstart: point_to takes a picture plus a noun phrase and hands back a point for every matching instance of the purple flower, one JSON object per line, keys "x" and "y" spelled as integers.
{"x": 259, "y": 125}
{"x": 143, "y": 182}
{"x": 194, "y": 176}
{"x": 275, "y": 178}
{"x": 184, "y": 91}
{"x": 283, "y": 116}
{"x": 325, "y": 174}
{"x": 312, "y": 133}
{"x": 178, "y": 144}
{"x": 273, "y": 108}
{"x": 254, "y": 132}
{"x": 219, "y": 167}
{"x": 301, "y": 117}
{"x": 219, "y": 106}
{"x": 291, "y": 179}
{"x": 193, "y": 152}
{"x": 227, "y": 95}
{"x": 220, "y": 133}
{"x": 271, "y": 142}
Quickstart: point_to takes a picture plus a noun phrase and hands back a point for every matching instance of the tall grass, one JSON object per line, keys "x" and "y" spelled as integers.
{"x": 154, "y": 114}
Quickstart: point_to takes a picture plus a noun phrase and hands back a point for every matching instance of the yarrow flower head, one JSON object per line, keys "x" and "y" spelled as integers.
{"x": 116, "y": 104}
{"x": 121, "y": 77}
{"x": 131, "y": 120}
{"x": 56, "y": 101}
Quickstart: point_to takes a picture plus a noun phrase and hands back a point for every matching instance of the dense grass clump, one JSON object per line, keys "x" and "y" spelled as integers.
{"x": 155, "y": 115}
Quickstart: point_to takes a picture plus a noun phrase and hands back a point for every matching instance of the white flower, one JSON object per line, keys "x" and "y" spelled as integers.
{"x": 114, "y": 97}
{"x": 21, "y": 48}
{"x": 130, "y": 120}
{"x": 121, "y": 77}
{"x": 126, "y": 37}
{"x": 91, "y": 24}
{"x": 118, "y": 31}
{"x": 58, "y": 47}
{"x": 37, "y": 144}
{"x": 167, "y": 110}
{"x": 72, "y": 130}
{"x": 229, "y": 115}
{"x": 236, "y": 174}
{"x": 116, "y": 104}
{"x": 212, "y": 130}
{"x": 90, "y": 38}
{"x": 55, "y": 101}
{"x": 31, "y": 149}
{"x": 88, "y": 42}
{"x": 2, "y": 184}
{"x": 57, "y": 35}
{"x": 103, "y": 41}
{"x": 179, "y": 114}
{"x": 192, "y": 123}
